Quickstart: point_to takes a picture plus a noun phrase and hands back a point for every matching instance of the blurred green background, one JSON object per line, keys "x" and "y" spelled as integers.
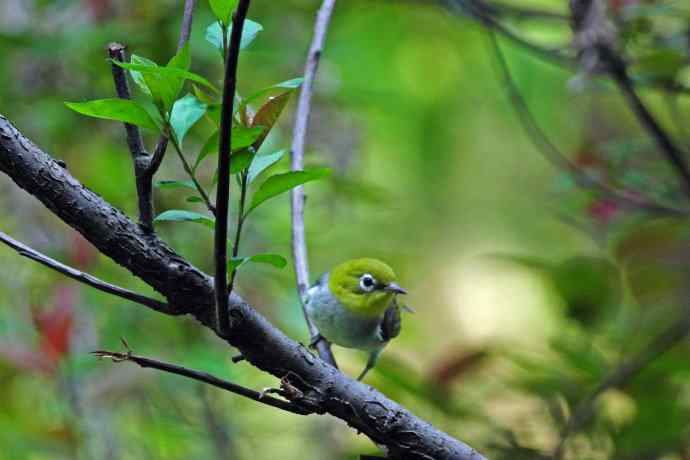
{"x": 527, "y": 290}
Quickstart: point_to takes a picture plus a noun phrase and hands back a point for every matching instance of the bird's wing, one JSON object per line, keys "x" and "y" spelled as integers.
{"x": 390, "y": 323}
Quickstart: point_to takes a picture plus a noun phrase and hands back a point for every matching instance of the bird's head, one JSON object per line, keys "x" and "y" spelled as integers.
{"x": 365, "y": 286}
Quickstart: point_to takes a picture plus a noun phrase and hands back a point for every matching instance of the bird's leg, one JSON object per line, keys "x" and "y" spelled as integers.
{"x": 315, "y": 339}
{"x": 371, "y": 362}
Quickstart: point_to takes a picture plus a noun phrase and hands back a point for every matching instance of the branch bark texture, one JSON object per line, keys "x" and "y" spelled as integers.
{"x": 189, "y": 290}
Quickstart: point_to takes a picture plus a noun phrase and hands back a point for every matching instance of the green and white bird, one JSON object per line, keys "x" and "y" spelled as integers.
{"x": 354, "y": 306}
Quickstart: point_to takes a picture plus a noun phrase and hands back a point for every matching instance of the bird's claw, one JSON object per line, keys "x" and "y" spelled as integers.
{"x": 314, "y": 340}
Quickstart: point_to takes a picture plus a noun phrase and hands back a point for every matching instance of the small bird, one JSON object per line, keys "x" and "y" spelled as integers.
{"x": 354, "y": 306}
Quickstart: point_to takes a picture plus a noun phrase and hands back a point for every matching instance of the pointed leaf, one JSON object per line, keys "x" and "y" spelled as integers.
{"x": 274, "y": 260}
{"x": 185, "y": 113}
{"x": 281, "y": 183}
{"x": 240, "y": 160}
{"x": 168, "y": 72}
{"x": 268, "y": 115}
{"x": 287, "y": 84}
{"x": 137, "y": 76}
{"x": 222, "y": 9}
{"x": 214, "y": 34}
{"x": 241, "y": 139}
{"x": 182, "y": 60}
{"x": 179, "y": 215}
{"x": 262, "y": 162}
{"x": 172, "y": 184}
{"x": 124, "y": 110}
{"x": 194, "y": 199}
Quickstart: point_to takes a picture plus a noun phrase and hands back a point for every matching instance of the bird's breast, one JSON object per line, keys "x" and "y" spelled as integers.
{"x": 341, "y": 326}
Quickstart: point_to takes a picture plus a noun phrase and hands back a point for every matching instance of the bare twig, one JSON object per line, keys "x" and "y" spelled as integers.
{"x": 552, "y": 154}
{"x": 135, "y": 143}
{"x": 619, "y": 72}
{"x": 80, "y": 276}
{"x": 185, "y": 32}
{"x": 224, "y": 147}
{"x": 202, "y": 377}
{"x": 299, "y": 244}
{"x": 483, "y": 13}
{"x": 623, "y": 374}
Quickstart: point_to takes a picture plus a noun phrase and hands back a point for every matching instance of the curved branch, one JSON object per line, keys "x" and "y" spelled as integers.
{"x": 299, "y": 133}
{"x": 188, "y": 290}
{"x": 26, "y": 251}
{"x": 204, "y": 377}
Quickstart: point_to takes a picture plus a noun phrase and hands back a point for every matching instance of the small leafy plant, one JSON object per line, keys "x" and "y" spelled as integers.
{"x": 163, "y": 111}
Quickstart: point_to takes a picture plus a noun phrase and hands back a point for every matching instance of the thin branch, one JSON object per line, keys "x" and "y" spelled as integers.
{"x": 223, "y": 189}
{"x": 482, "y": 13}
{"x": 619, "y": 72}
{"x": 299, "y": 133}
{"x": 185, "y": 32}
{"x": 26, "y": 251}
{"x": 559, "y": 160}
{"x": 117, "y": 52}
{"x": 186, "y": 27}
{"x": 188, "y": 169}
{"x": 240, "y": 223}
{"x": 203, "y": 377}
{"x": 584, "y": 411}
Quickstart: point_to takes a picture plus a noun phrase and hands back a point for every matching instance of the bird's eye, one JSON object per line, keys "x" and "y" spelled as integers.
{"x": 367, "y": 282}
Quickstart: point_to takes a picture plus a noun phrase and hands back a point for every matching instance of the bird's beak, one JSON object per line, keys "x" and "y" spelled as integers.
{"x": 393, "y": 287}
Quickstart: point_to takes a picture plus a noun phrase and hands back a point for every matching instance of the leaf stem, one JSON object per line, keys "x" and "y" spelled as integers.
{"x": 189, "y": 170}
{"x": 240, "y": 221}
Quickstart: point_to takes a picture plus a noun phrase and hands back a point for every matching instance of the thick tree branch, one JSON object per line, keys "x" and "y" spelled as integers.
{"x": 620, "y": 376}
{"x": 224, "y": 147}
{"x": 140, "y": 158}
{"x": 26, "y": 251}
{"x": 188, "y": 290}
{"x": 299, "y": 133}
{"x": 203, "y": 377}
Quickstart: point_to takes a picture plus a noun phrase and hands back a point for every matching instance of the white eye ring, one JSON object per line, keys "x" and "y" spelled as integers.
{"x": 367, "y": 282}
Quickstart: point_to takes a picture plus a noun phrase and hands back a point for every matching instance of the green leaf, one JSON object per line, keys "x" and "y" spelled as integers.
{"x": 287, "y": 84}
{"x": 168, "y": 72}
{"x": 185, "y": 113}
{"x": 262, "y": 162}
{"x": 179, "y": 215}
{"x": 194, "y": 199}
{"x": 240, "y": 160}
{"x": 172, "y": 184}
{"x": 182, "y": 60}
{"x": 137, "y": 76}
{"x": 281, "y": 183}
{"x": 241, "y": 139}
{"x": 268, "y": 114}
{"x": 222, "y": 9}
{"x": 124, "y": 110}
{"x": 214, "y": 34}
{"x": 274, "y": 260}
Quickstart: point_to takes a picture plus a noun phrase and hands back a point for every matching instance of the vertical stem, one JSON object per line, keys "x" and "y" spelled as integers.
{"x": 223, "y": 190}
{"x": 299, "y": 244}
{"x": 240, "y": 222}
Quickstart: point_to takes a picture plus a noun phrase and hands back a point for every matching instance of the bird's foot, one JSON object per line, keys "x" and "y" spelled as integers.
{"x": 314, "y": 340}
